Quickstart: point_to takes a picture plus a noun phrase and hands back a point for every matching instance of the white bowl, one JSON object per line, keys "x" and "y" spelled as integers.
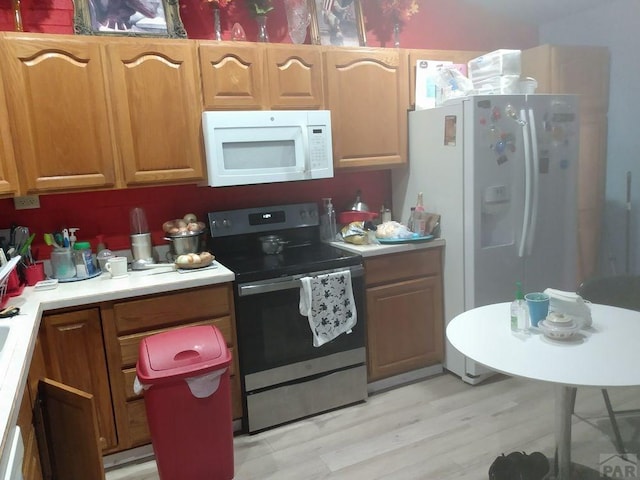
{"x": 558, "y": 331}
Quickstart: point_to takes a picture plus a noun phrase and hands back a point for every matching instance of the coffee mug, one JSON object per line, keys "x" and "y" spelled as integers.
{"x": 117, "y": 267}
{"x": 538, "y": 304}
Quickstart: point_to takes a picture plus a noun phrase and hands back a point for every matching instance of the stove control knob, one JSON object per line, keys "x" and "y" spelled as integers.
{"x": 214, "y": 224}
{"x": 303, "y": 214}
{"x": 226, "y": 223}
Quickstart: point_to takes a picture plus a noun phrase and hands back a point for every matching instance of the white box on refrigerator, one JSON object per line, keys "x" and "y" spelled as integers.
{"x": 493, "y": 64}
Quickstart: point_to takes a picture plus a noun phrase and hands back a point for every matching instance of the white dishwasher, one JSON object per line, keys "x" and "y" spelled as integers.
{"x": 11, "y": 462}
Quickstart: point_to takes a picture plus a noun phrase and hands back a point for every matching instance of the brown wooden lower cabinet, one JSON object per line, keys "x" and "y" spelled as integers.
{"x": 94, "y": 349}
{"x": 405, "y": 320}
{"x": 126, "y": 323}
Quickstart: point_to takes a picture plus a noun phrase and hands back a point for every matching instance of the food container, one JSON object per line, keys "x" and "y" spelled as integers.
{"x": 272, "y": 244}
{"x": 347, "y": 217}
{"x": 494, "y": 64}
{"x": 183, "y": 244}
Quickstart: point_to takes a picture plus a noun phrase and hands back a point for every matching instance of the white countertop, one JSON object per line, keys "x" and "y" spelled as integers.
{"x": 24, "y": 327}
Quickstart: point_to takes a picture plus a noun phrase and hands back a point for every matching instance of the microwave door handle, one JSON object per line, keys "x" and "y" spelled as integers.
{"x": 306, "y": 171}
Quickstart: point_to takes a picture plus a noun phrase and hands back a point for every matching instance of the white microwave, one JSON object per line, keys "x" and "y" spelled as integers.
{"x": 265, "y": 146}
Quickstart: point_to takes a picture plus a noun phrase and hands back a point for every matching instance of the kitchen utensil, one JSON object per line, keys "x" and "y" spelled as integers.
{"x": 138, "y": 221}
{"x": 183, "y": 244}
{"x": 359, "y": 205}
{"x": 141, "y": 247}
{"x": 62, "y": 265}
{"x": 272, "y": 244}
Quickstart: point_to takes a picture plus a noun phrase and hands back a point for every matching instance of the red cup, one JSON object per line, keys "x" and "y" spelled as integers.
{"x": 13, "y": 282}
{"x": 34, "y": 273}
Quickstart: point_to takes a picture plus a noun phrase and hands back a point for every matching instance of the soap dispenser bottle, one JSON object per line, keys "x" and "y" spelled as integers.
{"x": 519, "y": 312}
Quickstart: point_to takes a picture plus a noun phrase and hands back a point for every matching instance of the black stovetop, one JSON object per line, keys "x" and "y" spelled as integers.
{"x": 235, "y": 242}
{"x": 255, "y": 266}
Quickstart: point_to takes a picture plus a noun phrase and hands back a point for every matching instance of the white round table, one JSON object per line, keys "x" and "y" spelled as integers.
{"x": 605, "y": 355}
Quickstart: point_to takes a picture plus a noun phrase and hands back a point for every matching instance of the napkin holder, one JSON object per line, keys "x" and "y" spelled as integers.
{"x": 570, "y": 304}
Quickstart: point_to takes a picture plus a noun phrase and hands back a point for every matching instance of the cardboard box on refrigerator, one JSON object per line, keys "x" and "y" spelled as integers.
{"x": 426, "y": 81}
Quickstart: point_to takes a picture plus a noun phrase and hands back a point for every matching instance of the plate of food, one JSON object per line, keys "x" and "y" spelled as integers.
{"x": 192, "y": 261}
{"x": 415, "y": 238}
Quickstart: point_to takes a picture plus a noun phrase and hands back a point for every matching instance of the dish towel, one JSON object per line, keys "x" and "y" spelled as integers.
{"x": 327, "y": 301}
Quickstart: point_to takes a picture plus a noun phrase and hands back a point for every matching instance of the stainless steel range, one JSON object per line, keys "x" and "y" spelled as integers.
{"x": 284, "y": 377}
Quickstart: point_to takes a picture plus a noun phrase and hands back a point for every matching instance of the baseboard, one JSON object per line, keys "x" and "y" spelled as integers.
{"x": 404, "y": 378}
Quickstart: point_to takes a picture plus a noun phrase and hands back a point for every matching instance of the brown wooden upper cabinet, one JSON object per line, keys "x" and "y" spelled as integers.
{"x": 94, "y": 112}
{"x": 58, "y": 105}
{"x": 367, "y": 91}
{"x": 257, "y": 77}
{"x": 8, "y": 171}
{"x": 156, "y": 101}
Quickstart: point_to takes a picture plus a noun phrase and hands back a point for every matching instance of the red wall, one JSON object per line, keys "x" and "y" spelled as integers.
{"x": 440, "y": 24}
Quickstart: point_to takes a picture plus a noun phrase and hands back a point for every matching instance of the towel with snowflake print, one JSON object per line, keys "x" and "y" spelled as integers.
{"x": 327, "y": 300}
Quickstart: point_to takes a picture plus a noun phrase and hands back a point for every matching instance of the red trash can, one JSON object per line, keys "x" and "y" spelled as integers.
{"x": 185, "y": 375}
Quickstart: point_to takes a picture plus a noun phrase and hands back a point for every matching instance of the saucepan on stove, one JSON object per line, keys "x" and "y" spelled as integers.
{"x": 272, "y": 244}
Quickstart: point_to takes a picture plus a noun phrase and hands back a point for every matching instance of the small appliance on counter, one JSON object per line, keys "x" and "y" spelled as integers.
{"x": 141, "y": 246}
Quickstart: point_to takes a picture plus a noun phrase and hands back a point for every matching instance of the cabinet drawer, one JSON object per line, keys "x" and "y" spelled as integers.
{"x": 393, "y": 267}
{"x": 137, "y": 422}
{"x": 129, "y": 344}
{"x": 129, "y": 375}
{"x": 160, "y": 311}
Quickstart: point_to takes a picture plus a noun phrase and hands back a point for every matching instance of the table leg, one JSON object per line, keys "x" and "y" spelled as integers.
{"x": 564, "y": 411}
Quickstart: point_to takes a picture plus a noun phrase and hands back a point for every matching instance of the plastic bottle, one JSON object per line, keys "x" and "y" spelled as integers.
{"x": 83, "y": 259}
{"x": 519, "y": 314}
{"x": 328, "y": 221}
{"x": 420, "y": 203}
{"x": 412, "y": 215}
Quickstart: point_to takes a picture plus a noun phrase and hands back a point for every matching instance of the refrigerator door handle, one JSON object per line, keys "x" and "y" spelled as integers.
{"x": 527, "y": 183}
{"x": 535, "y": 177}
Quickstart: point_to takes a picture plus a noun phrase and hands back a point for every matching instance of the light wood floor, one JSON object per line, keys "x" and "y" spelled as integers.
{"x": 439, "y": 429}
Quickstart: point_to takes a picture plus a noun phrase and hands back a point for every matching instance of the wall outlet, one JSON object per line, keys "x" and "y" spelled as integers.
{"x": 26, "y": 202}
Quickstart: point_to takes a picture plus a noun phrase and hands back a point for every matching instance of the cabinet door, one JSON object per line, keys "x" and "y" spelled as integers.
{"x": 455, "y": 56}
{"x": 157, "y": 113}
{"x": 57, "y": 101}
{"x": 8, "y": 171}
{"x": 584, "y": 71}
{"x": 295, "y": 76}
{"x": 405, "y": 326}
{"x": 67, "y": 430}
{"x": 232, "y": 76}
{"x": 368, "y": 95}
{"x": 75, "y": 356}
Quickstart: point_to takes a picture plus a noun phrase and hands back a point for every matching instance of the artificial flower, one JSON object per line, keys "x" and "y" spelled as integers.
{"x": 217, "y": 3}
{"x": 259, "y": 7}
{"x": 400, "y": 10}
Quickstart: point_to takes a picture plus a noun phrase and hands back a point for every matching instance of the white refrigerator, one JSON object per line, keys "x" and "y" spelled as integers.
{"x": 501, "y": 170}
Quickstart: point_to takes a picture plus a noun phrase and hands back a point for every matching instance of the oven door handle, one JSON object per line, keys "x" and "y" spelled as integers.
{"x": 287, "y": 283}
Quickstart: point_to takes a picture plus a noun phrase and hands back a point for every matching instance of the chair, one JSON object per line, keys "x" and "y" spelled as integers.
{"x": 619, "y": 291}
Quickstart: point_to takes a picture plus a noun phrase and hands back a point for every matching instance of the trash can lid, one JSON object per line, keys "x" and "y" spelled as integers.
{"x": 180, "y": 353}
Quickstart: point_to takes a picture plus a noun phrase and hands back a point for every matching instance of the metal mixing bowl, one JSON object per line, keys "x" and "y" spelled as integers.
{"x": 272, "y": 244}
{"x": 183, "y": 244}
